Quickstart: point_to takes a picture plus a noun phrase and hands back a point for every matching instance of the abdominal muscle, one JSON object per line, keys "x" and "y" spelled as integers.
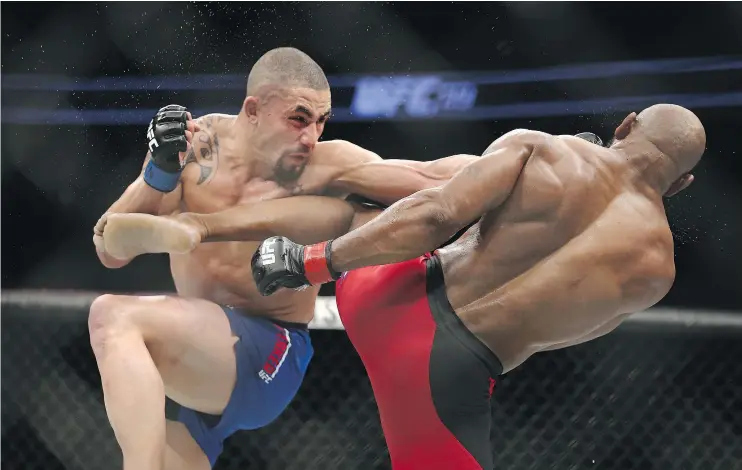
{"x": 221, "y": 272}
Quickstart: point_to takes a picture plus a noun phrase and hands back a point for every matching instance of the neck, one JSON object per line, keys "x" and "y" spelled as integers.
{"x": 242, "y": 135}
{"x": 647, "y": 164}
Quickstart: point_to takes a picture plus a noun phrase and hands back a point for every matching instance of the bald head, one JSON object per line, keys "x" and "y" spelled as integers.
{"x": 675, "y": 131}
{"x": 286, "y": 67}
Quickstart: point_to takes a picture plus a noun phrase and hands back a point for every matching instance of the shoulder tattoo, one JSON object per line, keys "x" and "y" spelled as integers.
{"x": 205, "y": 154}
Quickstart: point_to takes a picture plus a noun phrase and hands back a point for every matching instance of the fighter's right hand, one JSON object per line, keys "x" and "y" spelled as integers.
{"x": 279, "y": 262}
{"x": 169, "y": 137}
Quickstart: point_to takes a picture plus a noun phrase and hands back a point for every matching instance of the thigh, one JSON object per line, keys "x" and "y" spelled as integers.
{"x": 192, "y": 344}
{"x": 182, "y": 451}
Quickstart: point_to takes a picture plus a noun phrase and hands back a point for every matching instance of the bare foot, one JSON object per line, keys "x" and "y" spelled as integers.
{"x": 128, "y": 235}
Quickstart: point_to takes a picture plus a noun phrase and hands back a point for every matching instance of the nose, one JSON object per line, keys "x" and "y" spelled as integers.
{"x": 309, "y": 137}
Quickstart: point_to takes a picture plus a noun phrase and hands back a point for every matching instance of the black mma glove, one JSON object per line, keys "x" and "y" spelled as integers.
{"x": 167, "y": 137}
{"x": 279, "y": 262}
{"x": 590, "y": 137}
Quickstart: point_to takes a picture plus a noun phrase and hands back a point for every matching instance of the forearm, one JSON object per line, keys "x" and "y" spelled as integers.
{"x": 139, "y": 198}
{"x": 391, "y": 180}
{"x": 304, "y": 219}
{"x": 409, "y": 228}
{"x": 425, "y": 220}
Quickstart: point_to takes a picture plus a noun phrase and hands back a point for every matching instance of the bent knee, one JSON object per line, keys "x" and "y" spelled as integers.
{"x": 109, "y": 315}
{"x": 150, "y": 316}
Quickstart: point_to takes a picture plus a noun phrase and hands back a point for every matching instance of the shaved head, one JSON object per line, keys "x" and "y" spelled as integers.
{"x": 675, "y": 131}
{"x": 285, "y": 67}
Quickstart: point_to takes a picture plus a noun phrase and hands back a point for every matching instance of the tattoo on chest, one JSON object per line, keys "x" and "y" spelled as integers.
{"x": 205, "y": 154}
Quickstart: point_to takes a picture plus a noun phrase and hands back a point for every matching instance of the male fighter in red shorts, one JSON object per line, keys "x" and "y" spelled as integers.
{"x": 570, "y": 238}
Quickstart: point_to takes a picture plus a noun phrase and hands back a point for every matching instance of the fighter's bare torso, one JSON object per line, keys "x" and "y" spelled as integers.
{"x": 217, "y": 177}
{"x": 579, "y": 244}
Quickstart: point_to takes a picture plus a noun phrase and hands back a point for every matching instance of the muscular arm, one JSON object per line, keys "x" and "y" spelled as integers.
{"x": 389, "y": 181}
{"x": 425, "y": 220}
{"x": 139, "y": 197}
{"x": 310, "y": 219}
{"x": 304, "y": 219}
{"x": 350, "y": 169}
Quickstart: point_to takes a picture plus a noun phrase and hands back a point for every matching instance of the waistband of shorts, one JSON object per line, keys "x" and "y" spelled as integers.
{"x": 283, "y": 324}
{"x": 446, "y": 317}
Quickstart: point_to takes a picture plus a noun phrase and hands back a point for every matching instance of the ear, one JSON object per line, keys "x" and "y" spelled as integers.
{"x": 251, "y": 106}
{"x": 679, "y": 184}
{"x": 623, "y": 130}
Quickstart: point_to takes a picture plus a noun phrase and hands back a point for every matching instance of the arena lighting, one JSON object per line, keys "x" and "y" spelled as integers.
{"x": 206, "y": 82}
{"x": 451, "y": 96}
{"x": 112, "y": 117}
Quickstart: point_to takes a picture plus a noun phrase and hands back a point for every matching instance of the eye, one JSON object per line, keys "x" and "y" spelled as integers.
{"x": 300, "y": 119}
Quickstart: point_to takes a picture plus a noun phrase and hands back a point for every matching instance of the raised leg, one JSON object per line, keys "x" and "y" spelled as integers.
{"x": 149, "y": 346}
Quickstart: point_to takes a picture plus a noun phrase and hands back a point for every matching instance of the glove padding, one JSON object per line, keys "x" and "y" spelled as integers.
{"x": 279, "y": 262}
{"x": 166, "y": 136}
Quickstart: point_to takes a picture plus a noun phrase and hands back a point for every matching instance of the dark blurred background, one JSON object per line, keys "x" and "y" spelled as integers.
{"x": 81, "y": 80}
{"x": 415, "y": 80}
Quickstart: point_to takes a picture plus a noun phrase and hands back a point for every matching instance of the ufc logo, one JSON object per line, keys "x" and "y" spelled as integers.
{"x": 267, "y": 255}
{"x": 266, "y": 378}
{"x": 151, "y": 136}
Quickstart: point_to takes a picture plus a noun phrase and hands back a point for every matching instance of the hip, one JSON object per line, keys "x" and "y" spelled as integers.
{"x": 431, "y": 377}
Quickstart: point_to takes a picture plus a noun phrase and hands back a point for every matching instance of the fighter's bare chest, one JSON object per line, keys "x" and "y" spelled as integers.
{"x": 233, "y": 188}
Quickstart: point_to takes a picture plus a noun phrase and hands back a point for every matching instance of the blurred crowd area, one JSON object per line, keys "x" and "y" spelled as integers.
{"x": 80, "y": 81}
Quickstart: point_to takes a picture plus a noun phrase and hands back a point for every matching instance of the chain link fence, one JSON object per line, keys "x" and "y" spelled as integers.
{"x": 642, "y": 398}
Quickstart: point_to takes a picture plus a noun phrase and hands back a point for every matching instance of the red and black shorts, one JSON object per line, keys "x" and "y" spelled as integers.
{"x": 432, "y": 378}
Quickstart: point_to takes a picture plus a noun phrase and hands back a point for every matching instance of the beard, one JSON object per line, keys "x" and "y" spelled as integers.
{"x": 288, "y": 172}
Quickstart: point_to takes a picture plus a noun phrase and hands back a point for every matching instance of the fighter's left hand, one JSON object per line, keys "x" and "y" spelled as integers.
{"x": 279, "y": 262}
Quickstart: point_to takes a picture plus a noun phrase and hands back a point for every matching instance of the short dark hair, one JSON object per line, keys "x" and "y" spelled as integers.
{"x": 286, "y": 67}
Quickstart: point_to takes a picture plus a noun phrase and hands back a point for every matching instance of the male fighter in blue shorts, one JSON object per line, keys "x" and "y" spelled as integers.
{"x": 230, "y": 357}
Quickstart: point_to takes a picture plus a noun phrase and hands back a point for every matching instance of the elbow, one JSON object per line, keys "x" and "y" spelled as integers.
{"x": 437, "y": 215}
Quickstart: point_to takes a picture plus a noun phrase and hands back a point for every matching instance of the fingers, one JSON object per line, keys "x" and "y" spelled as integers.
{"x": 192, "y": 125}
{"x": 183, "y": 156}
